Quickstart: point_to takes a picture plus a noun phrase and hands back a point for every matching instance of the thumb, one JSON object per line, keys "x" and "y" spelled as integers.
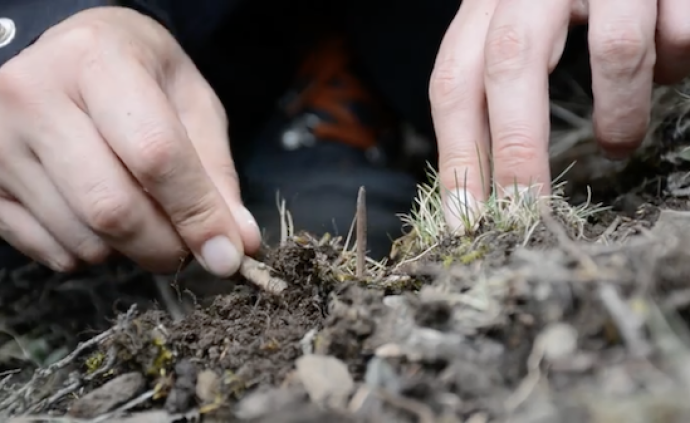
{"x": 204, "y": 118}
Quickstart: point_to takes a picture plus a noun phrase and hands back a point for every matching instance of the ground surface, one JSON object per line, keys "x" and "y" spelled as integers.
{"x": 526, "y": 324}
{"x": 578, "y": 314}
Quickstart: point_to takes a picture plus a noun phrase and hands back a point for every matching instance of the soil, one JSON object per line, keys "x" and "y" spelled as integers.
{"x": 556, "y": 329}
{"x": 568, "y": 324}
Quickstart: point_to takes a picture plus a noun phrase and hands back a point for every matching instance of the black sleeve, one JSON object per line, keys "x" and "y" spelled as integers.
{"x": 32, "y": 17}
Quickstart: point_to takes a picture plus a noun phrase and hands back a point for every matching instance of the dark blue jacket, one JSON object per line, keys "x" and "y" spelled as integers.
{"x": 190, "y": 21}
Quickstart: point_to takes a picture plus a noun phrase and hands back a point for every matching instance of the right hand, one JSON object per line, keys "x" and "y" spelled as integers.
{"x": 111, "y": 140}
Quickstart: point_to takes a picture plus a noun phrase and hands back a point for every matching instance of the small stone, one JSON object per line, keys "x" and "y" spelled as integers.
{"x": 261, "y": 403}
{"x": 558, "y": 340}
{"x": 108, "y": 397}
{"x": 394, "y": 301}
{"x": 326, "y": 379}
{"x": 207, "y": 387}
{"x": 381, "y": 375}
{"x": 425, "y": 344}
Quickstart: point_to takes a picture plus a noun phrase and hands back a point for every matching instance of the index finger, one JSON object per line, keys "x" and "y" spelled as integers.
{"x": 522, "y": 45}
{"x": 136, "y": 118}
{"x": 458, "y": 109}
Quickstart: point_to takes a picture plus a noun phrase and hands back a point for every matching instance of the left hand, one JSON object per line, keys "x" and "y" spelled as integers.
{"x": 490, "y": 96}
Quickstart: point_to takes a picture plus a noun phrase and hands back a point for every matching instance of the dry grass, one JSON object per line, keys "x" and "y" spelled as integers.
{"x": 519, "y": 213}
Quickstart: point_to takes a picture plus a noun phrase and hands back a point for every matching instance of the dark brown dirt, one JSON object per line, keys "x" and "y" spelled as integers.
{"x": 480, "y": 329}
{"x": 413, "y": 357}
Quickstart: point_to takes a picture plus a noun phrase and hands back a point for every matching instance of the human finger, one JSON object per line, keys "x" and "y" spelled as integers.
{"x": 102, "y": 194}
{"x": 27, "y": 181}
{"x": 458, "y": 108}
{"x": 205, "y": 122}
{"x": 144, "y": 131}
{"x": 26, "y": 234}
{"x": 622, "y": 50}
{"x": 672, "y": 41}
{"x": 522, "y": 46}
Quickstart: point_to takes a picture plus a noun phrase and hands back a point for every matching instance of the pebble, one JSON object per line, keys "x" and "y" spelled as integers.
{"x": 394, "y": 301}
{"x": 326, "y": 379}
{"x": 389, "y": 350}
{"x": 381, "y": 375}
{"x": 207, "y": 387}
{"x": 264, "y": 402}
{"x": 109, "y": 396}
{"x": 558, "y": 341}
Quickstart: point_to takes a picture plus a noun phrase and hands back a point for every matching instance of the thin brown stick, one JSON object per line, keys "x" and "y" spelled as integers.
{"x": 260, "y": 275}
{"x": 361, "y": 232}
{"x": 630, "y": 326}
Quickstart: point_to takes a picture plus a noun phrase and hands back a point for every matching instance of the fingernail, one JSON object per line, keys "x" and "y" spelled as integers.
{"x": 220, "y": 257}
{"x": 461, "y": 210}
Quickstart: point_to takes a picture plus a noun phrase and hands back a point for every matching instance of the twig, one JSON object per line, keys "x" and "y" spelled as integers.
{"x": 611, "y": 229}
{"x": 50, "y": 370}
{"x": 260, "y": 275}
{"x": 83, "y": 346}
{"x": 566, "y": 243}
{"x": 126, "y": 407}
{"x": 629, "y": 324}
{"x": 69, "y": 389}
{"x": 7, "y": 375}
{"x": 361, "y": 232}
{"x": 530, "y": 381}
{"x": 107, "y": 366}
{"x": 76, "y": 384}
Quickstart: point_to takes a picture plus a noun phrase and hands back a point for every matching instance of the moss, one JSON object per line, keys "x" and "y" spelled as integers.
{"x": 162, "y": 359}
{"x": 465, "y": 251}
{"x": 472, "y": 256}
{"x": 94, "y": 362}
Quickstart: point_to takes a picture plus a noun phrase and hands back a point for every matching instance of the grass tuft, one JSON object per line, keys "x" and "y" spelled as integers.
{"x": 520, "y": 212}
